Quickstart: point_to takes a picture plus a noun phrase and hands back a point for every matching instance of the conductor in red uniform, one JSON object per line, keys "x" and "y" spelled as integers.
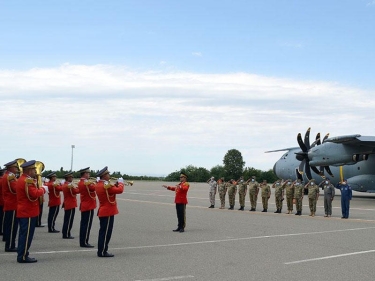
{"x": 70, "y": 203}
{"x": 181, "y": 190}
{"x": 106, "y": 193}
{"x": 54, "y": 201}
{"x": 87, "y": 206}
{"x": 27, "y": 209}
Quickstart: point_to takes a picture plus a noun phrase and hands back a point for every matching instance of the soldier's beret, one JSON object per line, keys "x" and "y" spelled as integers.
{"x": 102, "y": 172}
{"x": 28, "y": 165}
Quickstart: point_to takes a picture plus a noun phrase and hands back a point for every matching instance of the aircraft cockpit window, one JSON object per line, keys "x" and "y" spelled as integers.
{"x": 285, "y": 156}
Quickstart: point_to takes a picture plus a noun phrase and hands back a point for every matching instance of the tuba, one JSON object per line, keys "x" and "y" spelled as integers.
{"x": 20, "y": 161}
{"x": 39, "y": 169}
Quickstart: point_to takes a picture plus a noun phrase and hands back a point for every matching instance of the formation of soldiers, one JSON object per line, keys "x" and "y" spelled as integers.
{"x": 292, "y": 191}
{"x": 21, "y": 201}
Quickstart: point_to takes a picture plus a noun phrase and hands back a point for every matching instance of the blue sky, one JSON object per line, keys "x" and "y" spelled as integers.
{"x": 148, "y": 87}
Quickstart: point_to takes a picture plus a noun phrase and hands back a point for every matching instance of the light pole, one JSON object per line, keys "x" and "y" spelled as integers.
{"x": 71, "y": 163}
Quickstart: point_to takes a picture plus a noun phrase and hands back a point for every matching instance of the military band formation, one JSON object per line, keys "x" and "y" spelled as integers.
{"x": 22, "y": 192}
{"x": 292, "y": 191}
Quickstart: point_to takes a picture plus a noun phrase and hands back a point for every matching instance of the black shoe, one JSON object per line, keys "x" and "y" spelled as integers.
{"x": 11, "y": 249}
{"x": 264, "y": 211}
{"x": 27, "y": 260}
{"x": 68, "y": 237}
{"x": 87, "y": 246}
{"x": 40, "y": 225}
{"x": 241, "y": 209}
{"x": 53, "y": 231}
{"x": 182, "y": 230}
{"x": 212, "y": 206}
{"x": 106, "y": 255}
{"x": 252, "y": 210}
{"x": 176, "y": 230}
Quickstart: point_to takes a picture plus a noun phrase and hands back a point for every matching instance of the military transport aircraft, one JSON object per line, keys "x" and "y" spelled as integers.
{"x": 348, "y": 157}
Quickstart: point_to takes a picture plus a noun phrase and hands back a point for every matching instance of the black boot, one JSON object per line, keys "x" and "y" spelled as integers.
{"x": 252, "y": 210}
{"x": 264, "y": 211}
{"x": 241, "y": 209}
{"x": 212, "y": 206}
{"x": 277, "y": 211}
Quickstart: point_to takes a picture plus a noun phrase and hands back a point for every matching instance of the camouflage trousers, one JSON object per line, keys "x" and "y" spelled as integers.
{"x": 232, "y": 190}
{"x": 265, "y": 202}
{"x": 242, "y": 195}
{"x": 222, "y": 193}
{"x": 289, "y": 203}
{"x": 279, "y": 202}
{"x": 312, "y": 204}
{"x": 253, "y": 200}
{"x": 299, "y": 204}
{"x": 211, "y": 195}
{"x": 328, "y": 205}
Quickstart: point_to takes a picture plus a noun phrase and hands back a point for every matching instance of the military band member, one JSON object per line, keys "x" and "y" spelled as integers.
{"x": 222, "y": 186}
{"x": 9, "y": 182}
{"x": 1, "y": 202}
{"x": 212, "y": 191}
{"x": 279, "y": 195}
{"x": 253, "y": 193}
{"x": 298, "y": 196}
{"x": 242, "y": 190}
{"x": 313, "y": 194}
{"x": 232, "y": 190}
{"x": 106, "y": 193}
{"x": 329, "y": 194}
{"x": 70, "y": 192}
{"x": 87, "y": 206}
{"x": 28, "y": 195}
{"x": 266, "y": 194}
{"x": 54, "y": 201}
{"x": 289, "y": 192}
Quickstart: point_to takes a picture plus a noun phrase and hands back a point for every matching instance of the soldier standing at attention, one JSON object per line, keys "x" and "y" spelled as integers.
{"x": 266, "y": 194}
{"x": 87, "y": 206}
{"x": 329, "y": 194}
{"x": 106, "y": 193}
{"x": 70, "y": 203}
{"x": 54, "y": 201}
{"x": 222, "y": 191}
{"x": 279, "y": 195}
{"x": 253, "y": 193}
{"x": 212, "y": 192}
{"x": 298, "y": 196}
{"x": 242, "y": 190}
{"x": 289, "y": 191}
{"x": 180, "y": 200}
{"x": 232, "y": 190}
{"x": 346, "y": 196}
{"x": 313, "y": 194}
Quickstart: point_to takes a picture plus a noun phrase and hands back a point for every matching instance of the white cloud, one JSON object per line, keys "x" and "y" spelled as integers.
{"x": 196, "y": 54}
{"x": 157, "y": 122}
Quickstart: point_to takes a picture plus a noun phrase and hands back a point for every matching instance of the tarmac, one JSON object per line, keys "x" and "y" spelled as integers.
{"x": 218, "y": 244}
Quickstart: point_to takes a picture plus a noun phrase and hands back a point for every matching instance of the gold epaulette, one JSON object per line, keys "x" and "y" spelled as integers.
{"x": 29, "y": 181}
{"x": 11, "y": 177}
{"x": 107, "y": 185}
{"x": 87, "y": 182}
{"x": 70, "y": 185}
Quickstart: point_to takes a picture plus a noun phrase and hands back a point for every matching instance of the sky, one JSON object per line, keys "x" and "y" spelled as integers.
{"x": 147, "y": 87}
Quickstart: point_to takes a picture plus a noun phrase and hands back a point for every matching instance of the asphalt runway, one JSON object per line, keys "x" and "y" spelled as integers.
{"x": 217, "y": 244}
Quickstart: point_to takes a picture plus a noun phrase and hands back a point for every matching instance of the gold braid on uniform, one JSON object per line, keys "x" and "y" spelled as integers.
{"x": 54, "y": 190}
{"x": 10, "y": 178}
{"x": 27, "y": 182}
{"x": 87, "y": 183}
{"x": 106, "y": 187}
{"x": 71, "y": 186}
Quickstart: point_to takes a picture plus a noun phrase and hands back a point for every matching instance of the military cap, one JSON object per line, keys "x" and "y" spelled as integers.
{"x": 85, "y": 170}
{"x": 28, "y": 165}
{"x": 50, "y": 175}
{"x": 68, "y": 174}
{"x": 11, "y": 164}
{"x": 102, "y": 172}
{"x": 183, "y": 175}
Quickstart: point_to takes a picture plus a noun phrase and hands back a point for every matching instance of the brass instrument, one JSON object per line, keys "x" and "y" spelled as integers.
{"x": 39, "y": 169}
{"x": 20, "y": 161}
{"x": 125, "y": 182}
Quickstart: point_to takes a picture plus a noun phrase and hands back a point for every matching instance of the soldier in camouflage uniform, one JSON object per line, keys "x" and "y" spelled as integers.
{"x": 313, "y": 194}
{"x": 298, "y": 196}
{"x": 212, "y": 191}
{"x": 289, "y": 192}
{"x": 329, "y": 194}
{"x": 279, "y": 195}
{"x": 222, "y": 185}
{"x": 242, "y": 190}
{"x": 266, "y": 194}
{"x": 232, "y": 190}
{"x": 253, "y": 193}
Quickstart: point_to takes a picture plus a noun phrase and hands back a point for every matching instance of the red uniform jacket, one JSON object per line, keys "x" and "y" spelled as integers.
{"x": 1, "y": 192}
{"x": 70, "y": 195}
{"x": 9, "y": 191}
{"x": 107, "y": 198}
{"x": 54, "y": 190}
{"x": 181, "y": 192}
{"x": 28, "y": 197}
{"x": 87, "y": 195}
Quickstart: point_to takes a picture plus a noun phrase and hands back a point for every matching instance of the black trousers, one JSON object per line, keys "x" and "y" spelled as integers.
{"x": 10, "y": 229}
{"x": 181, "y": 215}
{"x": 68, "y": 222}
{"x": 52, "y": 215}
{"x": 25, "y": 237}
{"x": 105, "y": 233}
{"x": 85, "y": 227}
{"x": 39, "y": 220}
{"x": 1, "y": 220}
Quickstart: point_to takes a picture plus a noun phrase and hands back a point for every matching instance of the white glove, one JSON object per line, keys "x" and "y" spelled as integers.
{"x": 45, "y": 188}
{"x": 97, "y": 179}
{"x": 62, "y": 181}
{"x": 46, "y": 180}
{"x": 120, "y": 180}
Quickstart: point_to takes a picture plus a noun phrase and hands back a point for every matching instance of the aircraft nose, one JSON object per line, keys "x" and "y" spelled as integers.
{"x": 274, "y": 169}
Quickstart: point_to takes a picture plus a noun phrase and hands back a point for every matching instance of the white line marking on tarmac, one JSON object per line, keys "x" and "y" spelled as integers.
{"x": 211, "y": 241}
{"x": 168, "y": 278}
{"x": 331, "y": 257}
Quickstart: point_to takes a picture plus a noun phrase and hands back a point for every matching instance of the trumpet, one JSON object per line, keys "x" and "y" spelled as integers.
{"x": 125, "y": 182}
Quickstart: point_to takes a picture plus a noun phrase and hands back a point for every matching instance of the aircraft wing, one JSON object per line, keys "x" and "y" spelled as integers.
{"x": 353, "y": 140}
{"x": 283, "y": 149}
